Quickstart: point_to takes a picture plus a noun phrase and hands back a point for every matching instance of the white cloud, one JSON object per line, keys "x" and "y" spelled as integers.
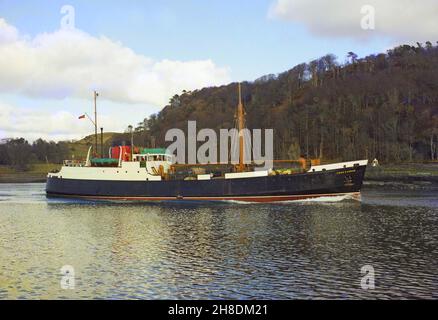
{"x": 72, "y": 63}
{"x": 33, "y": 123}
{"x": 8, "y": 33}
{"x": 401, "y": 20}
{"x": 59, "y": 120}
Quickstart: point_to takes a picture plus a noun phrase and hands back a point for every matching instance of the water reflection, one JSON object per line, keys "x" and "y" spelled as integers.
{"x": 160, "y": 251}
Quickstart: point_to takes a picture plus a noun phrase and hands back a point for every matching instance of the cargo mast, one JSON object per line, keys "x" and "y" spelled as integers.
{"x": 241, "y": 125}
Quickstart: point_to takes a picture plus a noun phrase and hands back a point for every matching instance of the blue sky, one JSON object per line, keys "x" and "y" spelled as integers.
{"x": 238, "y": 34}
{"x": 140, "y": 53}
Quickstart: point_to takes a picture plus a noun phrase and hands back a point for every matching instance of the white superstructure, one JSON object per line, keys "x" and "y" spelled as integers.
{"x": 339, "y": 165}
{"x": 129, "y": 171}
{"x": 143, "y": 167}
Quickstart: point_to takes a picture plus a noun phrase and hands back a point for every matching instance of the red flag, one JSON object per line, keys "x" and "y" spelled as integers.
{"x": 82, "y": 116}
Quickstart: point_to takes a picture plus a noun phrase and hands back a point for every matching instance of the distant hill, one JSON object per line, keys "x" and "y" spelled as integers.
{"x": 78, "y": 149}
{"x": 383, "y": 105}
{"x": 107, "y": 138}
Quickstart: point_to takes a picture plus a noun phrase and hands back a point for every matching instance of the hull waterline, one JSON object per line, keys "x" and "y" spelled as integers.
{"x": 339, "y": 182}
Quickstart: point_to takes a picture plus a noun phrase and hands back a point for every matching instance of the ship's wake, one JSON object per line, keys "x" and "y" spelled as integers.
{"x": 329, "y": 199}
{"x": 321, "y": 199}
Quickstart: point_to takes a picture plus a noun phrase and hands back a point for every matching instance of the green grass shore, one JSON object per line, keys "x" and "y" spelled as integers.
{"x": 409, "y": 176}
{"x": 394, "y": 174}
{"x": 36, "y": 173}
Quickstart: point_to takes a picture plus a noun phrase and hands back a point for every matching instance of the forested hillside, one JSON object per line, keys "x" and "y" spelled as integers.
{"x": 383, "y": 106}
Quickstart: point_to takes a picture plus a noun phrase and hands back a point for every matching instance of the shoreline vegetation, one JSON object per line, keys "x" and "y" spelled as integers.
{"x": 35, "y": 173}
{"x": 408, "y": 176}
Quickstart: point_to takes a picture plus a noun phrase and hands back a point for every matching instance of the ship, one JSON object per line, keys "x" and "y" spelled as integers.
{"x": 132, "y": 173}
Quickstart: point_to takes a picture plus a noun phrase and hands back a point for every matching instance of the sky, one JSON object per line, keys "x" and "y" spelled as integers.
{"x": 137, "y": 54}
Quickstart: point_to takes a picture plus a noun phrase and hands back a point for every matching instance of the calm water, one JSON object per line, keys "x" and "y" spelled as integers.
{"x": 238, "y": 251}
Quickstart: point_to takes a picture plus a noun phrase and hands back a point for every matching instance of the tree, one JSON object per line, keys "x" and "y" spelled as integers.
{"x": 19, "y": 152}
{"x": 352, "y": 56}
{"x": 294, "y": 150}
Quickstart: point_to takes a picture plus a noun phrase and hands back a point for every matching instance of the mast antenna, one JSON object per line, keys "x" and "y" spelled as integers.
{"x": 96, "y": 94}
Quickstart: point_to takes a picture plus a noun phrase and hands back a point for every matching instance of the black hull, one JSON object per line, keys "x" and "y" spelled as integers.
{"x": 260, "y": 189}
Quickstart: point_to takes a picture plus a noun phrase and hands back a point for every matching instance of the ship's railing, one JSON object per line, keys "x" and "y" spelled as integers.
{"x": 74, "y": 163}
{"x": 152, "y": 157}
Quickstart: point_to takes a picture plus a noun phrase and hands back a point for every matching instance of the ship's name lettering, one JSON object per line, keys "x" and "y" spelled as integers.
{"x": 346, "y": 171}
